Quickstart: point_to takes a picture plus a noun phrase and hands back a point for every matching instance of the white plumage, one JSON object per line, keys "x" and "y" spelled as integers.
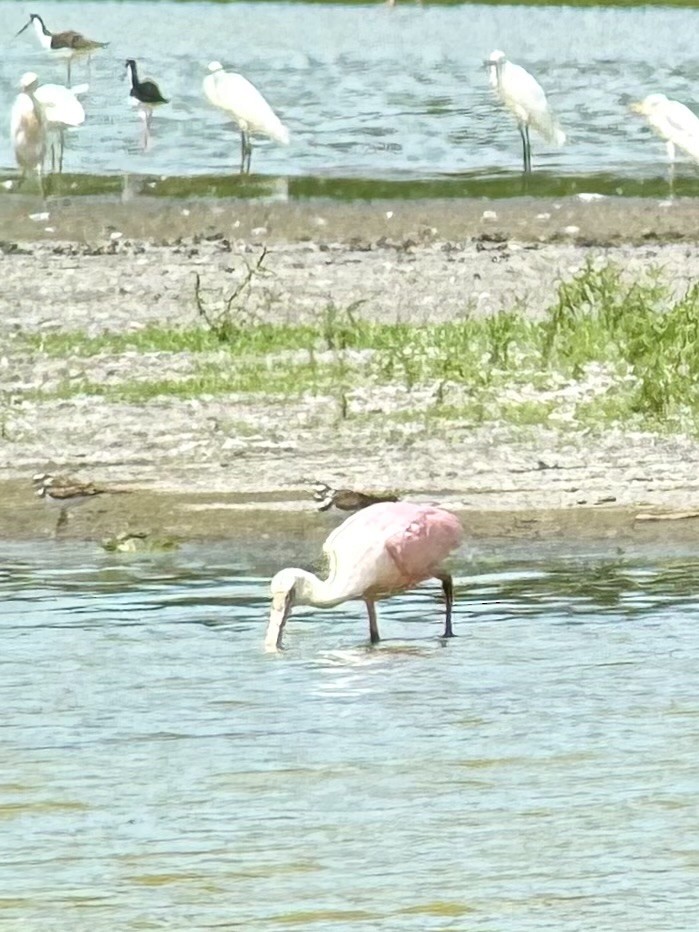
{"x": 241, "y": 100}
{"x": 28, "y": 127}
{"x": 526, "y": 99}
{"x": 673, "y": 122}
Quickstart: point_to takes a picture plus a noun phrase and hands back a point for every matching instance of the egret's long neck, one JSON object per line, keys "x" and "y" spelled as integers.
{"x": 320, "y": 592}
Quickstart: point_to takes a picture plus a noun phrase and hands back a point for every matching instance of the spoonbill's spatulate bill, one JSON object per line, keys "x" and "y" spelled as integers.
{"x": 525, "y": 98}
{"x": 377, "y": 552}
{"x": 241, "y": 101}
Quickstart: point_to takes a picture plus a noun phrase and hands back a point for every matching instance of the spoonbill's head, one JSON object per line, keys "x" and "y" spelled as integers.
{"x": 649, "y": 104}
{"x": 29, "y": 81}
{"x": 286, "y": 589}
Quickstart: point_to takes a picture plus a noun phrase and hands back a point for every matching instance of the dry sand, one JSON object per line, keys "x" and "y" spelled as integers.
{"x": 220, "y": 463}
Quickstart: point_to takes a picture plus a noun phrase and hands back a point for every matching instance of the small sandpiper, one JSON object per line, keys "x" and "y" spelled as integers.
{"x": 347, "y": 499}
{"x": 67, "y": 45}
{"x": 64, "y": 492}
{"x": 146, "y": 95}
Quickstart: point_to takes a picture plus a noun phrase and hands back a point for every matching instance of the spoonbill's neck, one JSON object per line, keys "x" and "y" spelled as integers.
{"x": 322, "y": 593}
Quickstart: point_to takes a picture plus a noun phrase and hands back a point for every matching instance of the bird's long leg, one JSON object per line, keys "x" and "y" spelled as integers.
{"x": 69, "y": 60}
{"x": 448, "y": 587}
{"x": 62, "y": 521}
{"x": 242, "y": 152}
{"x": 249, "y": 154}
{"x": 61, "y": 146}
{"x": 373, "y": 624}
{"x": 671, "y": 171}
{"x": 524, "y": 145}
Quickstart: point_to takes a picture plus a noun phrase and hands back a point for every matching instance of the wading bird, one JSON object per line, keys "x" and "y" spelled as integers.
{"x": 525, "y": 98}
{"x": 67, "y": 45}
{"x": 241, "y": 100}
{"x": 673, "y": 122}
{"x": 347, "y": 499}
{"x": 62, "y": 110}
{"x": 28, "y": 128}
{"x": 377, "y": 552}
{"x": 146, "y": 95}
{"x": 63, "y": 493}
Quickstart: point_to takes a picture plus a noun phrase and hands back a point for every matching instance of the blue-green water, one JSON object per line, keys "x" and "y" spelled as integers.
{"x": 161, "y": 771}
{"x": 369, "y": 92}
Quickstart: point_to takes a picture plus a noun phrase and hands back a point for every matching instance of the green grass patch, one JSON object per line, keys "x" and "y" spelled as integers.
{"x": 606, "y": 350}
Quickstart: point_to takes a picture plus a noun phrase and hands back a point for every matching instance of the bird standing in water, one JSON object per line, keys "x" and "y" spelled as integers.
{"x": 146, "y": 95}
{"x": 377, "y": 552}
{"x": 62, "y": 110}
{"x": 28, "y": 128}
{"x": 241, "y": 100}
{"x": 67, "y": 45}
{"x": 526, "y": 99}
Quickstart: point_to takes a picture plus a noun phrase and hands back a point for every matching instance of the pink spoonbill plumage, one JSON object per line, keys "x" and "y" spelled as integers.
{"x": 377, "y": 552}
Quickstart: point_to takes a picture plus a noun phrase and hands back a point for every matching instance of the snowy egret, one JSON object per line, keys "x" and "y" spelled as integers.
{"x": 146, "y": 95}
{"x": 673, "y": 122}
{"x": 377, "y": 552}
{"x": 241, "y": 100}
{"x": 525, "y": 98}
{"x": 62, "y": 110}
{"x": 28, "y": 128}
{"x": 67, "y": 45}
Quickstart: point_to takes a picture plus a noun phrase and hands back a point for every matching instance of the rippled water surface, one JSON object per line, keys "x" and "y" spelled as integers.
{"x": 368, "y": 91}
{"x": 161, "y": 771}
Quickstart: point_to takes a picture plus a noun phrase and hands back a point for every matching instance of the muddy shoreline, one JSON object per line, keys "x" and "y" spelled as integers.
{"x": 217, "y": 466}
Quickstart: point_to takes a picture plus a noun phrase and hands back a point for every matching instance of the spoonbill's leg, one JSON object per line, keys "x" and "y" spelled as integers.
{"x": 448, "y": 587}
{"x": 373, "y": 626}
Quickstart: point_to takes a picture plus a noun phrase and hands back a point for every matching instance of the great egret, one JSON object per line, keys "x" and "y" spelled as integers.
{"x": 62, "y": 110}
{"x": 673, "y": 122}
{"x": 379, "y": 551}
{"x": 28, "y": 128}
{"x": 146, "y": 95}
{"x": 241, "y": 100}
{"x": 526, "y": 99}
{"x": 67, "y": 45}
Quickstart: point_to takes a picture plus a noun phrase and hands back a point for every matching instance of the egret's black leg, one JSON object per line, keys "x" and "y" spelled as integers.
{"x": 373, "y": 625}
{"x": 242, "y": 152}
{"x": 448, "y": 587}
{"x": 529, "y": 150}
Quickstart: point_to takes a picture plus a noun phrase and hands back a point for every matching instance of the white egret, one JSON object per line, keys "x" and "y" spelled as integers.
{"x": 241, "y": 100}
{"x": 67, "y": 45}
{"x": 28, "y": 128}
{"x": 673, "y": 122}
{"x": 526, "y": 99}
{"x": 62, "y": 110}
{"x": 145, "y": 95}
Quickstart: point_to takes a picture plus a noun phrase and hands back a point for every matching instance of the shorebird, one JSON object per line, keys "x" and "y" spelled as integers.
{"x": 377, "y": 552}
{"x": 241, "y": 100}
{"x": 526, "y": 99}
{"x": 347, "y": 499}
{"x": 67, "y": 45}
{"x": 62, "y": 110}
{"x": 64, "y": 492}
{"x": 146, "y": 95}
{"x": 28, "y": 128}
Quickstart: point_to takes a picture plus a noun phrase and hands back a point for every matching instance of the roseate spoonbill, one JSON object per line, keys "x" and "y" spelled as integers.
{"x": 673, "y": 122}
{"x": 346, "y": 499}
{"x": 67, "y": 45}
{"x": 146, "y": 95}
{"x": 241, "y": 100}
{"x": 525, "y": 98}
{"x": 64, "y": 492}
{"x": 62, "y": 110}
{"x": 28, "y": 128}
{"x": 377, "y": 552}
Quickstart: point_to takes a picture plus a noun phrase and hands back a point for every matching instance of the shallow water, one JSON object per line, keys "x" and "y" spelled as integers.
{"x": 369, "y": 92}
{"x": 161, "y": 771}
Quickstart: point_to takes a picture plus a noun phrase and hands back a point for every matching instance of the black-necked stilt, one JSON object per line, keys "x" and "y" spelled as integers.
{"x": 67, "y": 45}
{"x": 241, "y": 100}
{"x": 64, "y": 493}
{"x": 146, "y": 95}
{"x": 28, "y": 128}
{"x": 62, "y": 110}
